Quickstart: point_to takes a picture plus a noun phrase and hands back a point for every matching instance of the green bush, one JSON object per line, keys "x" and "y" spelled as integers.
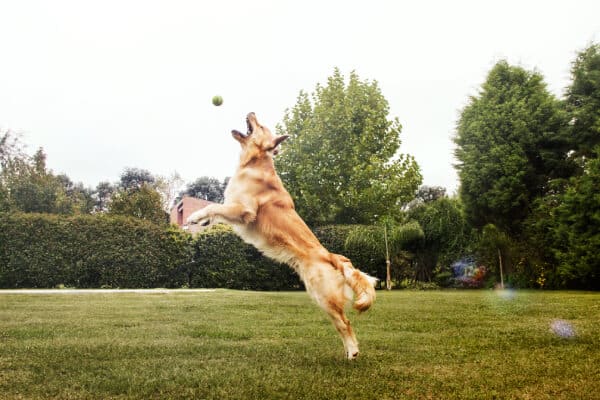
{"x": 222, "y": 260}
{"x": 42, "y": 250}
{"x": 93, "y": 251}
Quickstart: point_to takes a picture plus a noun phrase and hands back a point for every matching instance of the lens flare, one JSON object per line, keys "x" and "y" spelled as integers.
{"x": 562, "y": 328}
{"x": 505, "y": 293}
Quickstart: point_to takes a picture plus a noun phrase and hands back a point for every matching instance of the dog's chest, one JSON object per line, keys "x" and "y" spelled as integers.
{"x": 277, "y": 253}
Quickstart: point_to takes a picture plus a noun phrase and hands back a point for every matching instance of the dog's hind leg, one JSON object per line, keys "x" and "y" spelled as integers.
{"x": 342, "y": 324}
{"x": 329, "y": 289}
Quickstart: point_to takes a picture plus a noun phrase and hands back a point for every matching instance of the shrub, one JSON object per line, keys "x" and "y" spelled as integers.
{"x": 42, "y": 250}
{"x": 222, "y": 260}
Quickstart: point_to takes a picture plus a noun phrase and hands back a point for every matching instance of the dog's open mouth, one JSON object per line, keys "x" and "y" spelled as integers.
{"x": 250, "y": 129}
{"x": 249, "y": 124}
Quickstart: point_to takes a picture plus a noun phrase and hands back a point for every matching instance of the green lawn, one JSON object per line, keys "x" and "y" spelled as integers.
{"x": 230, "y": 344}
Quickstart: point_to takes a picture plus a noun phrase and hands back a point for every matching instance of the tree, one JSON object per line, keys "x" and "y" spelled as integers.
{"x": 102, "y": 195}
{"x": 144, "y": 203}
{"x": 13, "y": 161}
{"x": 576, "y": 228}
{"x": 341, "y": 163}
{"x": 560, "y": 233}
{"x": 427, "y": 194}
{"x": 28, "y": 186}
{"x": 509, "y": 145}
{"x": 168, "y": 187}
{"x": 206, "y": 188}
{"x": 583, "y": 101}
{"x": 135, "y": 178}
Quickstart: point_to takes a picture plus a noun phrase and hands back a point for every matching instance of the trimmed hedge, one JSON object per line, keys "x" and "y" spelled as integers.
{"x": 94, "y": 251}
{"x": 222, "y": 260}
{"x": 42, "y": 250}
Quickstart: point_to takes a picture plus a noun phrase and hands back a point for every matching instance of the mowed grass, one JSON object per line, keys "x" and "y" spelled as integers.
{"x": 250, "y": 345}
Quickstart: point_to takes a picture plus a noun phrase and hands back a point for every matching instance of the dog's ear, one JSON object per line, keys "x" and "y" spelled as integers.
{"x": 239, "y": 136}
{"x": 279, "y": 139}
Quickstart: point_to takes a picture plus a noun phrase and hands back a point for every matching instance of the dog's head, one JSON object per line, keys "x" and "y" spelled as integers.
{"x": 258, "y": 138}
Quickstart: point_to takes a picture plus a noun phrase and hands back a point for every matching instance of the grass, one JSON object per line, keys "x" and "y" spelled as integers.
{"x": 249, "y": 345}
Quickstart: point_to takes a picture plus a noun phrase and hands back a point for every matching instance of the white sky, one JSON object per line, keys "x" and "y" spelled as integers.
{"x": 105, "y": 85}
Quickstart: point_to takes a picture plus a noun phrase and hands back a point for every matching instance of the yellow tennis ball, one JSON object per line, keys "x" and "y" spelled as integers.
{"x": 217, "y": 100}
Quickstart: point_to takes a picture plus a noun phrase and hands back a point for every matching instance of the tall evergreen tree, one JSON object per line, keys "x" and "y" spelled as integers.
{"x": 583, "y": 102}
{"x": 509, "y": 145}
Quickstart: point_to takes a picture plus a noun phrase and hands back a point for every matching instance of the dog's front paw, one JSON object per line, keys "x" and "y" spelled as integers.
{"x": 198, "y": 217}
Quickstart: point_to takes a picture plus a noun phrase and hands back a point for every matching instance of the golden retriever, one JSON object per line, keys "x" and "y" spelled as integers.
{"x": 262, "y": 213}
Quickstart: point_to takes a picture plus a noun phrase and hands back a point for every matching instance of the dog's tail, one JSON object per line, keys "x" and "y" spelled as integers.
{"x": 362, "y": 284}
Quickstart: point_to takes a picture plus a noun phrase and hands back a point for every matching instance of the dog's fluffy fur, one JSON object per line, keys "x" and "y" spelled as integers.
{"x": 262, "y": 213}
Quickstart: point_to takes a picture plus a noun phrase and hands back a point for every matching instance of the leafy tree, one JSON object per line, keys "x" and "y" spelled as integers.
{"x": 29, "y": 186}
{"x": 12, "y": 161}
{"x": 168, "y": 187}
{"x": 509, "y": 145}
{"x": 144, "y": 203}
{"x": 102, "y": 195}
{"x": 206, "y": 188}
{"x": 135, "y": 178}
{"x": 427, "y": 194}
{"x": 341, "y": 163}
{"x": 583, "y": 101}
{"x": 81, "y": 198}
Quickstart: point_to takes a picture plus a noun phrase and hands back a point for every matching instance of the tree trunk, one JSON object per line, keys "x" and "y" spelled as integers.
{"x": 388, "y": 264}
{"x": 501, "y": 272}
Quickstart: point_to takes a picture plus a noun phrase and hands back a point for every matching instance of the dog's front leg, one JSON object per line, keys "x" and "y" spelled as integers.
{"x": 229, "y": 213}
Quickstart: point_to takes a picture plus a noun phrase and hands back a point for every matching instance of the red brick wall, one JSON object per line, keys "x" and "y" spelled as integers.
{"x": 185, "y": 208}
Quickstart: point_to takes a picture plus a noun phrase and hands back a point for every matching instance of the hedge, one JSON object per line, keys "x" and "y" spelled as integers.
{"x": 94, "y": 251}
{"x": 42, "y": 250}
{"x": 222, "y": 260}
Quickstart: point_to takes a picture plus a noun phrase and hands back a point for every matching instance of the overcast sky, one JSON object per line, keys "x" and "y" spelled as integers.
{"x": 106, "y": 85}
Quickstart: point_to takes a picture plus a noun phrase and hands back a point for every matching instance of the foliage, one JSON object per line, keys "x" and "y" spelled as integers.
{"x": 333, "y": 237}
{"x": 143, "y": 203}
{"x": 168, "y": 187}
{"x": 341, "y": 163}
{"x": 135, "y": 178}
{"x": 583, "y": 102}
{"x": 27, "y": 185}
{"x": 41, "y": 250}
{"x": 576, "y": 229}
{"x": 102, "y": 195}
{"x": 206, "y": 188}
{"x": 427, "y": 194}
{"x": 222, "y": 260}
{"x": 446, "y": 236}
{"x": 509, "y": 145}
{"x": 366, "y": 246}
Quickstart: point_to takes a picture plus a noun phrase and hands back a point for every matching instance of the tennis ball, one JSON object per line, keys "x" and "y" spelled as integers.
{"x": 217, "y": 100}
